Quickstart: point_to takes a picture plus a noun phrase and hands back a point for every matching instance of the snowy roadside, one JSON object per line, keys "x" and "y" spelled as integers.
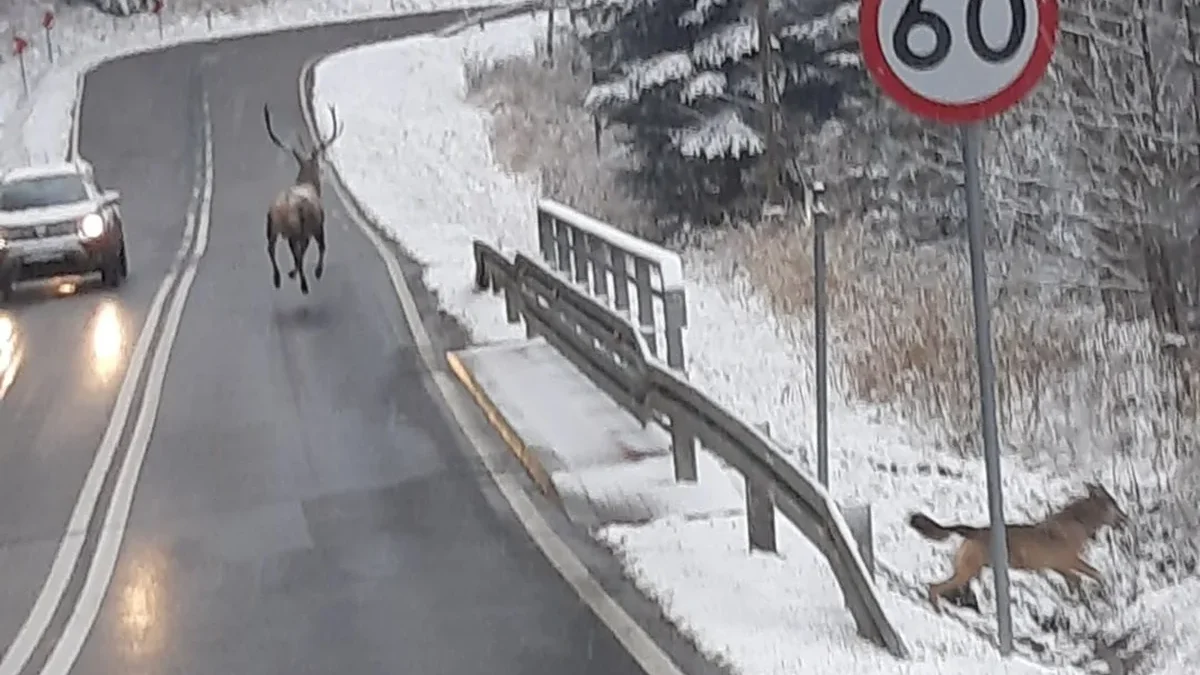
{"x": 454, "y": 190}
{"x": 36, "y": 127}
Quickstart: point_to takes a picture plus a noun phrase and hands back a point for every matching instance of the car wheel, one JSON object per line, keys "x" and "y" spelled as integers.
{"x": 115, "y": 270}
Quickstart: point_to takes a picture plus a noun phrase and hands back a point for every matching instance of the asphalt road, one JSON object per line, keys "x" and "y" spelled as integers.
{"x": 304, "y": 507}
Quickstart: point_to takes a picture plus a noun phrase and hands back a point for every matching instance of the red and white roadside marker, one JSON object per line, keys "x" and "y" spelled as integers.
{"x": 20, "y": 44}
{"x": 963, "y": 62}
{"x": 48, "y": 26}
{"x": 157, "y": 8}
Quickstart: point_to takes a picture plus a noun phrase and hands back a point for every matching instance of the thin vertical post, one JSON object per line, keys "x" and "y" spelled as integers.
{"x": 820, "y": 304}
{"x": 760, "y": 511}
{"x": 972, "y": 152}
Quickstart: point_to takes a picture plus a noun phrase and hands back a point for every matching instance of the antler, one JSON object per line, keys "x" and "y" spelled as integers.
{"x": 275, "y": 139}
{"x": 337, "y": 131}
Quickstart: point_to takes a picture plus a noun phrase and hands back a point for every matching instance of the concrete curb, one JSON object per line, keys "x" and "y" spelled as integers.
{"x": 514, "y": 442}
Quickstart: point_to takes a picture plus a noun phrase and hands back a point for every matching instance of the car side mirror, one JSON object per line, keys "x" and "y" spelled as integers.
{"x": 111, "y": 197}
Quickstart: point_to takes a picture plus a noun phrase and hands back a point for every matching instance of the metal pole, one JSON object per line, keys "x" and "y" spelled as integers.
{"x": 972, "y": 149}
{"x": 819, "y": 306}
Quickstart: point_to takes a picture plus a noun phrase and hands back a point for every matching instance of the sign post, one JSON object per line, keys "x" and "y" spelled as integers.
{"x": 962, "y": 63}
{"x": 48, "y": 25}
{"x": 19, "y": 46}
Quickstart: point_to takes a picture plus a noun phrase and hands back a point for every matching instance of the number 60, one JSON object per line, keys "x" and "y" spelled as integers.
{"x": 915, "y": 16}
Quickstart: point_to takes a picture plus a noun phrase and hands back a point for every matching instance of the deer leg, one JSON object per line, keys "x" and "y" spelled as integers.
{"x": 1079, "y": 565}
{"x": 319, "y": 236}
{"x": 296, "y": 258}
{"x": 1074, "y": 582}
{"x": 298, "y": 249}
{"x": 968, "y": 563}
{"x": 271, "y": 239}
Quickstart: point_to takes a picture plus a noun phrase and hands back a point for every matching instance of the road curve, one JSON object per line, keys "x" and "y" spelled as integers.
{"x": 304, "y": 506}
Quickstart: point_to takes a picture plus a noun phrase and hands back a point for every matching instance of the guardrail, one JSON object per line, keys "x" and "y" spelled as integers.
{"x": 608, "y": 264}
{"x": 611, "y": 261}
{"x": 616, "y": 355}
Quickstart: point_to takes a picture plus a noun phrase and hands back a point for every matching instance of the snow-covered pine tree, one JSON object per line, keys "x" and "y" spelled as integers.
{"x": 682, "y": 77}
{"x": 122, "y": 7}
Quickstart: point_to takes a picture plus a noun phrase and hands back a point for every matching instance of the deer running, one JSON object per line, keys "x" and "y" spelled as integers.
{"x": 296, "y": 213}
{"x": 1054, "y": 543}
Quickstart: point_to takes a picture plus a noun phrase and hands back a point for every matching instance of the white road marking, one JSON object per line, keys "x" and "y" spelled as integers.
{"x": 643, "y": 648}
{"x": 71, "y": 544}
{"x": 113, "y": 533}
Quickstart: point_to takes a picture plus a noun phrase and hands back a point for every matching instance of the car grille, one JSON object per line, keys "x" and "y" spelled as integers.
{"x": 22, "y": 232}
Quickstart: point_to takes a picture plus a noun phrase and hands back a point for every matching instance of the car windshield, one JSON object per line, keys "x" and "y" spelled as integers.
{"x": 36, "y": 193}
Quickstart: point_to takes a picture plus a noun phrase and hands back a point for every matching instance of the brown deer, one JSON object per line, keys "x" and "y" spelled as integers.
{"x": 296, "y": 213}
{"x": 1054, "y": 543}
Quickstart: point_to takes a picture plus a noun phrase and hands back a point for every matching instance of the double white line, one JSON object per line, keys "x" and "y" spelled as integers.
{"x": 108, "y": 547}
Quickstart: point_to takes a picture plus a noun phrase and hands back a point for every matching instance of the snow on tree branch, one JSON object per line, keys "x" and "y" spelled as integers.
{"x": 723, "y": 135}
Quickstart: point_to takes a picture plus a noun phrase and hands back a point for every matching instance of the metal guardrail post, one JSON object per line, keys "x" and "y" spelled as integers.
{"x": 581, "y": 248}
{"x": 546, "y": 243}
{"x": 562, "y": 240}
{"x": 645, "y": 301}
{"x": 862, "y": 527}
{"x": 598, "y": 253}
{"x": 483, "y": 275}
{"x": 512, "y": 303}
{"x": 760, "y": 511}
{"x": 675, "y": 318}
{"x": 620, "y": 273}
{"x": 683, "y": 452}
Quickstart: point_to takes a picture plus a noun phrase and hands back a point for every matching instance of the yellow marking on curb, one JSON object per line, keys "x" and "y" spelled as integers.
{"x": 496, "y": 418}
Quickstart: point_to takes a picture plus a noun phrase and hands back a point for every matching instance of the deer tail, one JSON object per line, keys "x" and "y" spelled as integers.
{"x": 931, "y": 529}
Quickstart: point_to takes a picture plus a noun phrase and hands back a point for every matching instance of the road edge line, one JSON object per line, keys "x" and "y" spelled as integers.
{"x": 499, "y": 422}
{"x": 644, "y": 649}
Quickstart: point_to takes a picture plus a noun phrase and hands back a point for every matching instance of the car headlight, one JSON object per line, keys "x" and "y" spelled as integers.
{"x": 91, "y": 226}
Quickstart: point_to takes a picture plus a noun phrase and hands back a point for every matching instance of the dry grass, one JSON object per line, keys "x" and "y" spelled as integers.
{"x": 904, "y": 319}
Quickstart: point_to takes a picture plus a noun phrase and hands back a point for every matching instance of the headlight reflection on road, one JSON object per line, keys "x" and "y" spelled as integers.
{"x": 142, "y": 603}
{"x": 108, "y": 340}
{"x": 10, "y": 353}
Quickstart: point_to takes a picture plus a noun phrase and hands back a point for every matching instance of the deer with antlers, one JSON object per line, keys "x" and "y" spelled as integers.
{"x": 296, "y": 213}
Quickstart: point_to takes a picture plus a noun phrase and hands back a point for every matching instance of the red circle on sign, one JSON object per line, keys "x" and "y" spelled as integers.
{"x": 19, "y": 45}
{"x": 158, "y": 5}
{"x": 1009, "y": 96}
{"x": 48, "y": 19}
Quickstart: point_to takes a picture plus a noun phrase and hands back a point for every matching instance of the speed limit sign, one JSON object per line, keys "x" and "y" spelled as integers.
{"x": 956, "y": 61}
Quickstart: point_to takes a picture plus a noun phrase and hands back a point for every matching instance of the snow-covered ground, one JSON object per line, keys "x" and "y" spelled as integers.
{"x": 455, "y": 191}
{"x": 35, "y": 126}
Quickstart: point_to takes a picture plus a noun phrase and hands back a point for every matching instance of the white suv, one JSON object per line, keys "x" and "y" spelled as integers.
{"x": 54, "y": 220}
